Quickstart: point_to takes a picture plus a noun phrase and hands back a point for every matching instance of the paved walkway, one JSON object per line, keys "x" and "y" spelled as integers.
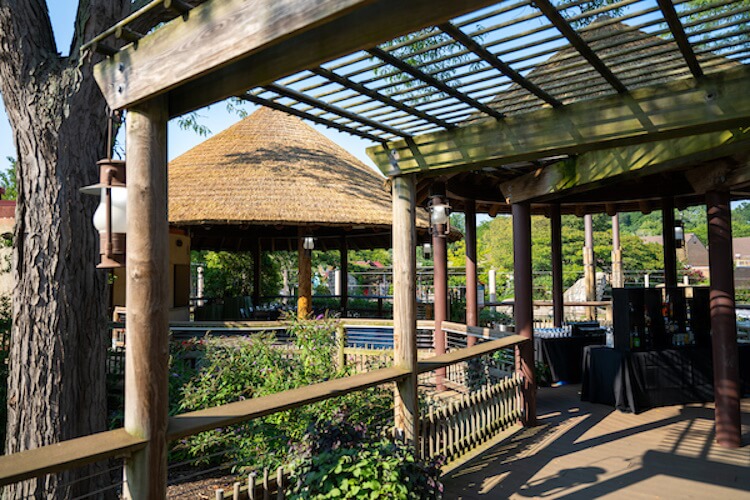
{"x": 582, "y": 450}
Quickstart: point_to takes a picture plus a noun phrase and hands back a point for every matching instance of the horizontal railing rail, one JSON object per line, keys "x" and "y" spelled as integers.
{"x": 88, "y": 449}
{"x": 191, "y": 423}
{"x": 67, "y": 455}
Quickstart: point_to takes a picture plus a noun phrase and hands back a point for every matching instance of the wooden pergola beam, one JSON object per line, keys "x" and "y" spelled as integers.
{"x": 680, "y": 37}
{"x": 666, "y": 111}
{"x": 197, "y": 61}
{"x": 592, "y": 170}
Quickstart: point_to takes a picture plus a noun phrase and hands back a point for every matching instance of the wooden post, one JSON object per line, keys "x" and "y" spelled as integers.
{"x": 304, "y": 264}
{"x": 523, "y": 311}
{"x": 147, "y": 295}
{"x": 340, "y": 346}
{"x": 472, "y": 309}
{"x": 492, "y": 283}
{"x": 344, "y": 275}
{"x": 405, "y": 306}
{"x": 618, "y": 280}
{"x": 440, "y": 277}
{"x": 589, "y": 264}
{"x": 670, "y": 252}
{"x": 558, "y": 308}
{"x": 727, "y": 391}
{"x": 256, "y": 272}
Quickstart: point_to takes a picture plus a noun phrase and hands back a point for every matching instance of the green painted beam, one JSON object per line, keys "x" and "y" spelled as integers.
{"x": 592, "y": 170}
{"x": 677, "y": 109}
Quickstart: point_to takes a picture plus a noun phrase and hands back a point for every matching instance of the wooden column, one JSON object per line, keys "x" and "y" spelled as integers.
{"x": 472, "y": 309}
{"x": 405, "y": 306}
{"x": 618, "y": 279}
{"x": 589, "y": 264}
{"x": 558, "y": 308}
{"x": 727, "y": 391}
{"x": 256, "y": 272}
{"x": 523, "y": 312}
{"x": 147, "y": 295}
{"x": 344, "y": 275}
{"x": 670, "y": 252}
{"x": 440, "y": 282}
{"x": 304, "y": 266}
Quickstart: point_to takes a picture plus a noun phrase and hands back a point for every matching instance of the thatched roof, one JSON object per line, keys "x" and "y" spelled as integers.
{"x": 271, "y": 173}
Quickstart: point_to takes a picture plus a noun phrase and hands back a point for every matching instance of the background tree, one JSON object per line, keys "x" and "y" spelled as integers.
{"x": 58, "y": 117}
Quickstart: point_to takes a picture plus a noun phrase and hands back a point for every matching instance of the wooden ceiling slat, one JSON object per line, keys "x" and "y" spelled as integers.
{"x": 496, "y": 63}
{"x": 303, "y": 98}
{"x": 416, "y": 73}
{"x": 330, "y": 75}
{"x": 308, "y": 116}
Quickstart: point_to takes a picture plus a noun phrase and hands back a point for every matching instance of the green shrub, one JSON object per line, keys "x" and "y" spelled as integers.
{"x": 234, "y": 369}
{"x": 489, "y": 317}
{"x": 343, "y": 460}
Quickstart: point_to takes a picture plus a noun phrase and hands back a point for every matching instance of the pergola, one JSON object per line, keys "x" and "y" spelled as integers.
{"x": 513, "y": 106}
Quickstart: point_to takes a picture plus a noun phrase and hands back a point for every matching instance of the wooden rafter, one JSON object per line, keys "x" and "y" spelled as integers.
{"x": 488, "y": 57}
{"x": 309, "y": 116}
{"x": 554, "y": 16}
{"x": 676, "y": 109}
{"x": 311, "y": 101}
{"x": 434, "y": 82}
{"x": 678, "y": 32}
{"x": 346, "y": 82}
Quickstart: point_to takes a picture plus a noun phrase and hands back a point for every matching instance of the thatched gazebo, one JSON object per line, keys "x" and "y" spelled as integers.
{"x": 268, "y": 182}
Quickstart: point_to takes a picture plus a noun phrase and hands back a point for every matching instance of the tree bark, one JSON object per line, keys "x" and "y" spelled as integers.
{"x": 56, "y": 386}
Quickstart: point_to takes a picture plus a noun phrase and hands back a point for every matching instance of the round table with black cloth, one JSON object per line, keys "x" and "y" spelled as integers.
{"x": 564, "y": 355}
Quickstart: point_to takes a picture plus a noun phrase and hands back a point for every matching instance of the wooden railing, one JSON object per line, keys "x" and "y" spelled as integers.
{"x": 89, "y": 449}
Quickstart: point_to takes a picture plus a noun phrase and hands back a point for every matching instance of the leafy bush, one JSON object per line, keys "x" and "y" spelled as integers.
{"x": 343, "y": 460}
{"x": 235, "y": 369}
{"x": 491, "y": 318}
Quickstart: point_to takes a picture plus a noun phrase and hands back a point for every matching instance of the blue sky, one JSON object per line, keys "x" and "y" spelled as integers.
{"x": 216, "y": 118}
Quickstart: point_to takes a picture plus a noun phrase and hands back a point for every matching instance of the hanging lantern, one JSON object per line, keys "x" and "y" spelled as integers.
{"x": 439, "y": 216}
{"x": 110, "y": 218}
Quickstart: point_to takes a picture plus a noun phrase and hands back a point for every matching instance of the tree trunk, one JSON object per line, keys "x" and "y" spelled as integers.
{"x": 56, "y": 386}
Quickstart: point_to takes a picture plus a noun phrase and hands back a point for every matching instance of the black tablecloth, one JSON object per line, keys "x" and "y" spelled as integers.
{"x": 564, "y": 355}
{"x": 637, "y": 381}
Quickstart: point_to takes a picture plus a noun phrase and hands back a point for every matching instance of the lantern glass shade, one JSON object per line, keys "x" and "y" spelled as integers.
{"x": 679, "y": 233}
{"x": 119, "y": 211}
{"x": 308, "y": 243}
{"x": 439, "y": 214}
{"x": 427, "y": 251}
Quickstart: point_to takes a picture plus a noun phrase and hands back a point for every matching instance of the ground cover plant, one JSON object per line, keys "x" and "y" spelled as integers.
{"x": 346, "y": 459}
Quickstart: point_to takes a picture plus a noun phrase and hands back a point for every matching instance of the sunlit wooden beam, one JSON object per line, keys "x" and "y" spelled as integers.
{"x": 677, "y": 109}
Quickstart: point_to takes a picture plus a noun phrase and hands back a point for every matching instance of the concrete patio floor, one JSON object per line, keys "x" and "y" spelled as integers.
{"x": 584, "y": 450}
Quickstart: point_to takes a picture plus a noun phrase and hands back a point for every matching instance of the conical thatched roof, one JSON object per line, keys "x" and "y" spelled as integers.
{"x": 272, "y": 171}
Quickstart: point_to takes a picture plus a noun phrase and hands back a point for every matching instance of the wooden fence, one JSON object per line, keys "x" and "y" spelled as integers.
{"x": 455, "y": 428}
